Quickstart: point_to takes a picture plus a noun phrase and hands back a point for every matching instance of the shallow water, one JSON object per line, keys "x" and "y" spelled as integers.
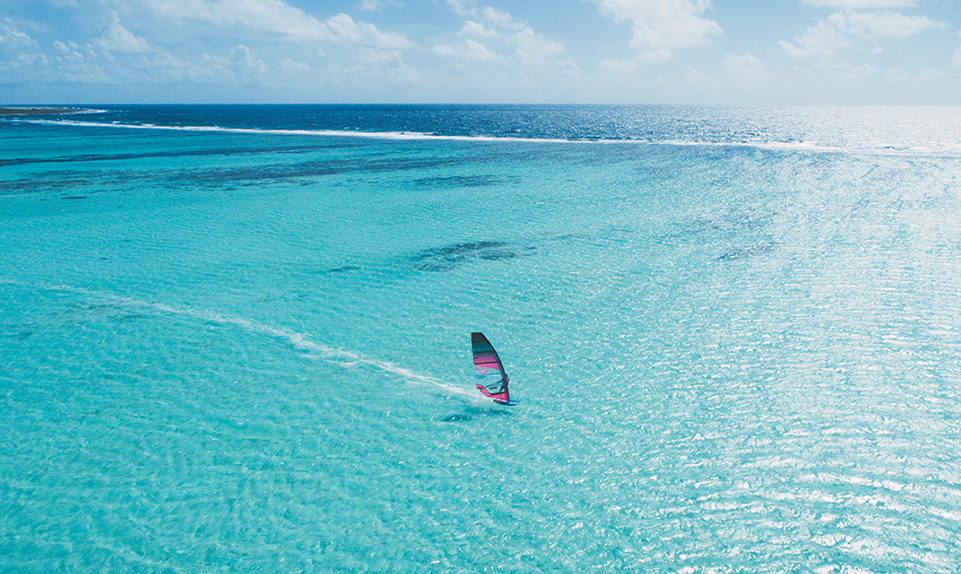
{"x": 243, "y": 344}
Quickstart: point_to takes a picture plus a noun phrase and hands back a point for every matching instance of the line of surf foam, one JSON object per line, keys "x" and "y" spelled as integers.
{"x": 393, "y": 135}
{"x": 299, "y": 341}
{"x": 942, "y": 151}
{"x": 387, "y": 135}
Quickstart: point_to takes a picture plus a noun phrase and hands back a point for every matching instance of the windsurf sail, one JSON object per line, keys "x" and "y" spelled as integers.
{"x": 489, "y": 365}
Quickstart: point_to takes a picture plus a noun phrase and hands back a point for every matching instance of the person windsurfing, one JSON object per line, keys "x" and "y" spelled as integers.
{"x": 488, "y": 364}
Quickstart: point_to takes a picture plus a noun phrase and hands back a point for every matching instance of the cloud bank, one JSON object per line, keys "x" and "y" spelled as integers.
{"x": 662, "y": 26}
{"x": 492, "y": 35}
{"x": 843, "y": 30}
{"x": 648, "y": 51}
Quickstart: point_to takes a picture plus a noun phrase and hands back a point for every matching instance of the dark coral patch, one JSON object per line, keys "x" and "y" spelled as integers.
{"x": 450, "y": 256}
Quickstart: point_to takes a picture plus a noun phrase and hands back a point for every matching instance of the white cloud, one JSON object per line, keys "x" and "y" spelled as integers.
{"x": 68, "y": 49}
{"x": 202, "y": 46}
{"x": 469, "y": 50}
{"x": 10, "y": 36}
{"x": 344, "y": 28}
{"x": 289, "y": 67}
{"x": 661, "y": 26}
{"x": 77, "y": 64}
{"x": 861, "y": 4}
{"x": 244, "y": 59}
{"x": 746, "y": 66}
{"x": 842, "y": 30}
{"x": 533, "y": 50}
{"x": 487, "y": 27}
{"x": 888, "y": 24}
{"x": 277, "y": 17}
{"x": 261, "y": 15}
{"x": 499, "y": 18}
{"x": 474, "y": 28}
{"x": 956, "y": 59}
{"x": 461, "y": 9}
{"x": 821, "y": 40}
{"x": 116, "y": 38}
{"x": 378, "y": 5}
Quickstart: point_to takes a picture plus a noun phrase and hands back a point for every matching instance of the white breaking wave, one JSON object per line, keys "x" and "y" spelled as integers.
{"x": 949, "y": 149}
{"x": 321, "y": 133}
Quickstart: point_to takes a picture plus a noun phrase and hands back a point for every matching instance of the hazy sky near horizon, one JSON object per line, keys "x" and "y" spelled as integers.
{"x": 754, "y": 52}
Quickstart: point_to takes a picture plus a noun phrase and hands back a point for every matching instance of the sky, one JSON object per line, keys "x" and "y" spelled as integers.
{"x": 685, "y": 52}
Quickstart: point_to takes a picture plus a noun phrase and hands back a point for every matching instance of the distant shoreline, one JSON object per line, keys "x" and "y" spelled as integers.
{"x": 28, "y": 111}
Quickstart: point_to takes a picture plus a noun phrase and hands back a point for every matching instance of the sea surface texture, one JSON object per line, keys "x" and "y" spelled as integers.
{"x": 237, "y": 339}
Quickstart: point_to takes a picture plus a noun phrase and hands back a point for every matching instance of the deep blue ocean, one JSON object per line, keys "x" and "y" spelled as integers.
{"x": 237, "y": 339}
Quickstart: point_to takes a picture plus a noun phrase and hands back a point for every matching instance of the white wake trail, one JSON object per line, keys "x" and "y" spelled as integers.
{"x": 299, "y": 341}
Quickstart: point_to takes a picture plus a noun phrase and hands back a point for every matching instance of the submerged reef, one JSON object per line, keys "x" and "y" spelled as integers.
{"x": 749, "y": 251}
{"x": 450, "y": 256}
{"x": 460, "y": 181}
{"x": 33, "y": 111}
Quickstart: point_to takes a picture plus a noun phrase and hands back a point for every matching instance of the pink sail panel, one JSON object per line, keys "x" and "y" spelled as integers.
{"x": 487, "y": 364}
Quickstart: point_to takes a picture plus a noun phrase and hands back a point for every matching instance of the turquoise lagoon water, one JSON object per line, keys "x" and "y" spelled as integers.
{"x": 236, "y": 339}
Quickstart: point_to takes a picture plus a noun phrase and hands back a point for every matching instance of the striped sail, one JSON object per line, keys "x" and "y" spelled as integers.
{"x": 489, "y": 365}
